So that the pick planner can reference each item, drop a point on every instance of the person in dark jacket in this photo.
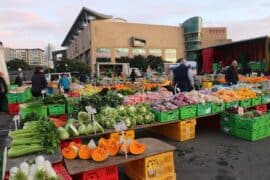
(183, 77)
(133, 76)
(39, 82)
(19, 81)
(231, 75)
(3, 89)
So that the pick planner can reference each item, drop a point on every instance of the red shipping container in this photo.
(13, 109)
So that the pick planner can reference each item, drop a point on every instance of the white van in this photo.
(56, 76)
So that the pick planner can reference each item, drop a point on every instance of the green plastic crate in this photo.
(28, 94)
(227, 129)
(265, 99)
(256, 101)
(188, 112)
(245, 103)
(167, 115)
(12, 98)
(251, 123)
(21, 98)
(40, 110)
(228, 117)
(217, 108)
(204, 109)
(69, 109)
(231, 104)
(12, 87)
(251, 135)
(56, 109)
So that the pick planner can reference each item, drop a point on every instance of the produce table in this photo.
(154, 147)
(54, 158)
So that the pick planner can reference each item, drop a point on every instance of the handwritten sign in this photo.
(121, 126)
(90, 110)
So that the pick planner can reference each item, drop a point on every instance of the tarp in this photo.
(207, 56)
(3, 65)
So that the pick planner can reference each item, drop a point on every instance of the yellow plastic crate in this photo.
(130, 134)
(179, 131)
(160, 166)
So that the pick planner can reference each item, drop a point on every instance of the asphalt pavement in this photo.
(212, 155)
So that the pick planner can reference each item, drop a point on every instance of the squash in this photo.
(136, 147)
(100, 154)
(85, 152)
(70, 152)
(112, 147)
(123, 149)
(102, 142)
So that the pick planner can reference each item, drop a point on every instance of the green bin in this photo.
(188, 112)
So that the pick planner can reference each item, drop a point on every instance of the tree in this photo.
(139, 62)
(73, 65)
(155, 62)
(15, 64)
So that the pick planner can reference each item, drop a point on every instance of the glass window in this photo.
(138, 51)
(103, 53)
(170, 55)
(121, 52)
(155, 52)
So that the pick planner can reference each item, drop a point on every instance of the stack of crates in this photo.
(159, 166)
(253, 128)
(179, 131)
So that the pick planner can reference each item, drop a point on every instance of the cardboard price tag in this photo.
(241, 111)
(121, 126)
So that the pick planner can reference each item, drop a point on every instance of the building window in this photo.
(138, 52)
(155, 52)
(103, 55)
(170, 55)
(121, 52)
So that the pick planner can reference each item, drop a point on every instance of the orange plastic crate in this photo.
(179, 131)
(130, 134)
(151, 168)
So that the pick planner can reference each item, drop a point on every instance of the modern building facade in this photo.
(96, 37)
(34, 57)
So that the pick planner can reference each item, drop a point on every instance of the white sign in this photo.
(90, 110)
(121, 126)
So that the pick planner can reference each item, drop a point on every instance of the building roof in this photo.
(236, 42)
(85, 12)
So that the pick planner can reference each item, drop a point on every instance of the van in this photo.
(56, 76)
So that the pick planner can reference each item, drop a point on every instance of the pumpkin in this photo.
(136, 147)
(70, 152)
(124, 148)
(85, 152)
(102, 142)
(100, 154)
(112, 147)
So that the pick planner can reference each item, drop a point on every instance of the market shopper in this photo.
(64, 83)
(3, 89)
(133, 76)
(39, 82)
(231, 74)
(183, 77)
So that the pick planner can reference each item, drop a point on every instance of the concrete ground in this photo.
(210, 156)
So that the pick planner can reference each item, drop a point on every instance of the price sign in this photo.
(121, 126)
(16, 120)
(90, 110)
(241, 111)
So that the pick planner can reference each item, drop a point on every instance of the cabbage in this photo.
(73, 130)
(63, 134)
(127, 121)
(82, 130)
(89, 129)
(98, 127)
(84, 117)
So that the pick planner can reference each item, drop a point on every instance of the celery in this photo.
(34, 148)
(23, 141)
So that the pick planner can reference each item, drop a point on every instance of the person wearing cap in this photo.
(183, 77)
(3, 89)
(231, 74)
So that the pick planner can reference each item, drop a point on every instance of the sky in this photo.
(35, 23)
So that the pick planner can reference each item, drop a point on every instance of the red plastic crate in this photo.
(13, 109)
(108, 173)
(61, 171)
(262, 108)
